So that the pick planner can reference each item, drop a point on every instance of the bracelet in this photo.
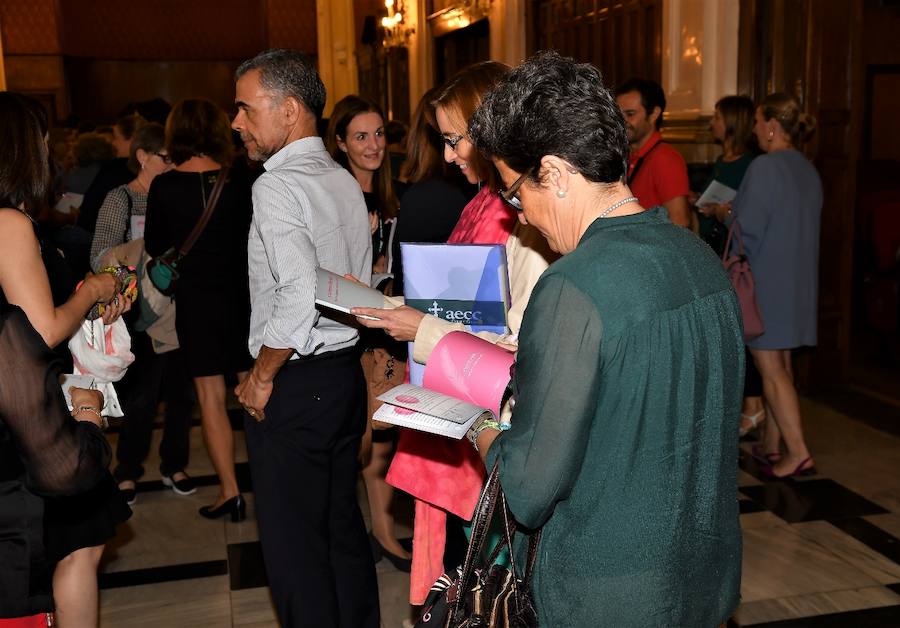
(103, 422)
(482, 424)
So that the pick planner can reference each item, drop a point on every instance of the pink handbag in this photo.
(738, 269)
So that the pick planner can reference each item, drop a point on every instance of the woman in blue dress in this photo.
(778, 209)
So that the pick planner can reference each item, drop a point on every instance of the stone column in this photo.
(2, 66)
(421, 52)
(507, 21)
(337, 49)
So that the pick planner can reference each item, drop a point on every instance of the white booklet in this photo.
(716, 194)
(425, 410)
(341, 294)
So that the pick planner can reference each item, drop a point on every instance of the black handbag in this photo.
(483, 594)
(163, 269)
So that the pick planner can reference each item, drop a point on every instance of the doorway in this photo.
(875, 334)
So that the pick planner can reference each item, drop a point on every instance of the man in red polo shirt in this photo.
(657, 173)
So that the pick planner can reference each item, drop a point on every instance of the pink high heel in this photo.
(766, 458)
(769, 471)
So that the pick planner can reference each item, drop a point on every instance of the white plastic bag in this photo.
(102, 351)
(111, 406)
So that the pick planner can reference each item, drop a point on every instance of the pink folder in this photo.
(469, 368)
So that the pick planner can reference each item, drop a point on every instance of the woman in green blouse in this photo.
(731, 126)
(623, 445)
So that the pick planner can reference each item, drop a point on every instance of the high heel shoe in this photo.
(379, 552)
(236, 507)
(750, 422)
(799, 471)
(763, 457)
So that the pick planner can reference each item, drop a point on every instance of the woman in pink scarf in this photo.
(445, 475)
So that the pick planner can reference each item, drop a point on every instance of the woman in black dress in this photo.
(43, 451)
(356, 139)
(212, 296)
(76, 527)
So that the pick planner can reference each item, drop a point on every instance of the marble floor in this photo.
(818, 552)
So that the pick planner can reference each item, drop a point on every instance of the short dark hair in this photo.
(24, 164)
(151, 138)
(288, 73)
(128, 124)
(551, 105)
(652, 95)
(196, 126)
(92, 148)
(395, 131)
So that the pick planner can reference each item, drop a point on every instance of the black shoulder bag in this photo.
(482, 595)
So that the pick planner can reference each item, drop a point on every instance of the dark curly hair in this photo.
(551, 105)
(196, 126)
(652, 96)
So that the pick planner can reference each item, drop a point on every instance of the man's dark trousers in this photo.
(304, 464)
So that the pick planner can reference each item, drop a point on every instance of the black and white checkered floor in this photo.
(819, 552)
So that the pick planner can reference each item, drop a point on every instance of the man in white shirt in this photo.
(305, 398)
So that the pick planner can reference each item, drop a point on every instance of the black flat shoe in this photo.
(130, 495)
(184, 486)
(379, 552)
(236, 507)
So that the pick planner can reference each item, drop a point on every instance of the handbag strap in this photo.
(509, 528)
(733, 230)
(207, 213)
(481, 522)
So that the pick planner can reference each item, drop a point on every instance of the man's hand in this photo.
(255, 390)
(400, 323)
(253, 393)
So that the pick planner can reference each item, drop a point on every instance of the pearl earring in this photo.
(561, 193)
(771, 135)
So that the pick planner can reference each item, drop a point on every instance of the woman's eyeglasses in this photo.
(452, 140)
(166, 159)
(510, 195)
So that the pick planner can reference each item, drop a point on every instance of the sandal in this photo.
(801, 470)
(769, 458)
(750, 422)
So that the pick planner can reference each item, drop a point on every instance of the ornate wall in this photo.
(32, 51)
(94, 56)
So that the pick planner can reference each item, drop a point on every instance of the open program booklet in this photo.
(425, 410)
(466, 377)
(341, 294)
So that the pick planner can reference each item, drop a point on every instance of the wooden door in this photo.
(621, 37)
(811, 50)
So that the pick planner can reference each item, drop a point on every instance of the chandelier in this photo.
(396, 31)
